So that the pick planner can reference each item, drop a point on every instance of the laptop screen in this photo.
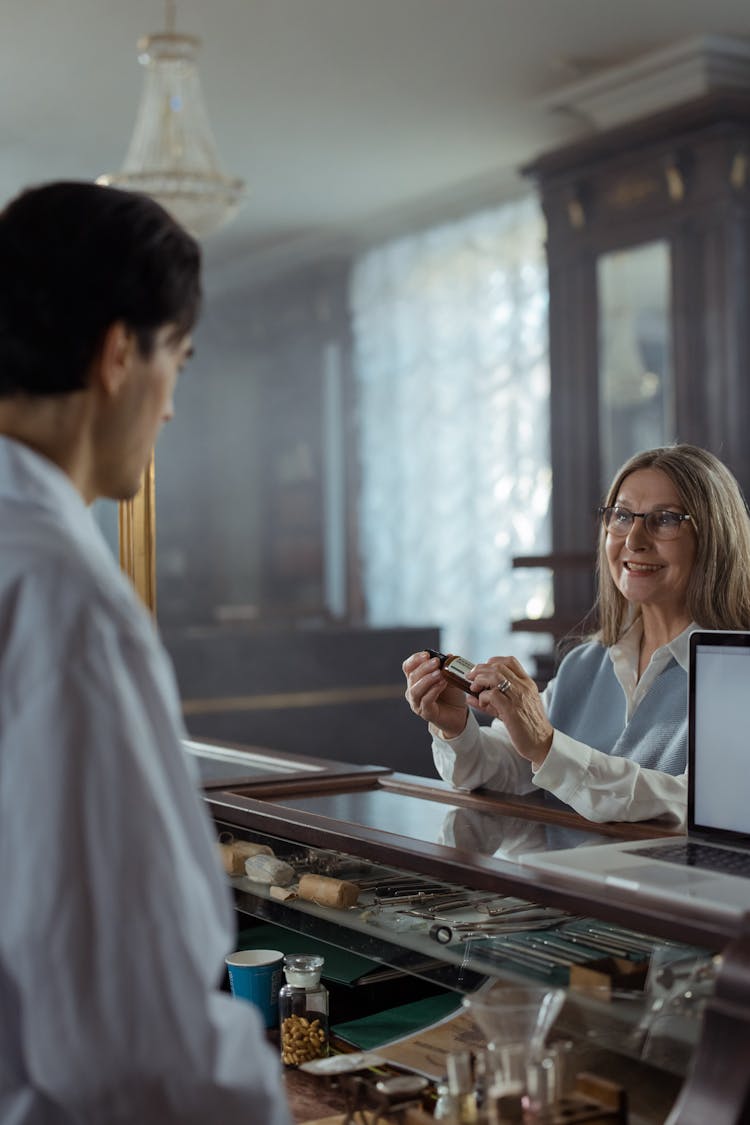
(719, 734)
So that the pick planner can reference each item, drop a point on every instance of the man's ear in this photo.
(114, 358)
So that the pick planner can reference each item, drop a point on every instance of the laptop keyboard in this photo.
(690, 854)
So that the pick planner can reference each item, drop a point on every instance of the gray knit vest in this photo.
(589, 705)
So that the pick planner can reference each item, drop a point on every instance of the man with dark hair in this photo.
(114, 917)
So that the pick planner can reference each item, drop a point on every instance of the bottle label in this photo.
(458, 666)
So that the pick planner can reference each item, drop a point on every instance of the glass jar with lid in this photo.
(303, 1010)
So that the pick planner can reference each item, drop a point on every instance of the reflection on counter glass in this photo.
(489, 833)
(507, 837)
(407, 816)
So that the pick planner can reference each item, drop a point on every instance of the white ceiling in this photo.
(350, 120)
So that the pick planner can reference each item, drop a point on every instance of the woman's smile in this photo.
(641, 568)
(649, 571)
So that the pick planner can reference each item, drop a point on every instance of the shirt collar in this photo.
(679, 646)
(29, 478)
(628, 645)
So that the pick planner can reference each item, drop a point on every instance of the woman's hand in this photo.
(431, 696)
(505, 691)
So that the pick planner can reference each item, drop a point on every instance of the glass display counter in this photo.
(657, 997)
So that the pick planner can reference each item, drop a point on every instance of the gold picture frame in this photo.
(137, 527)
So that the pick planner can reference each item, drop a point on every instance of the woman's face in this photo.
(648, 571)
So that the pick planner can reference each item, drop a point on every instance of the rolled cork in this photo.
(234, 854)
(326, 891)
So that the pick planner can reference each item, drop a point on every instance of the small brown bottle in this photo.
(454, 668)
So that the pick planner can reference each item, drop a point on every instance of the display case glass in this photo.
(443, 900)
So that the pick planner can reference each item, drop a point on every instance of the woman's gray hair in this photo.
(718, 593)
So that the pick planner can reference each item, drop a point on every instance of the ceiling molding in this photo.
(657, 81)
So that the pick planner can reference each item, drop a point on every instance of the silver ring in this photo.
(504, 686)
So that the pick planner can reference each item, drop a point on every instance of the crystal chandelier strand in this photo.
(172, 154)
(171, 130)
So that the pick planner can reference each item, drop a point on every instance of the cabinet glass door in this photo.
(636, 392)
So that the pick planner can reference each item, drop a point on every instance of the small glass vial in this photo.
(446, 1106)
(461, 1087)
(303, 1010)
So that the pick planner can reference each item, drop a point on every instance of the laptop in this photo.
(710, 866)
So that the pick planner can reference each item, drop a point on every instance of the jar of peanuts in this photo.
(303, 1010)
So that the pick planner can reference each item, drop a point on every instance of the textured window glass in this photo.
(450, 331)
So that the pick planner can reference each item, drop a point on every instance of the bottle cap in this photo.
(302, 970)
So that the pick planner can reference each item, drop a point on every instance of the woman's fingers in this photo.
(500, 687)
(431, 696)
(497, 671)
(424, 682)
(508, 692)
(416, 661)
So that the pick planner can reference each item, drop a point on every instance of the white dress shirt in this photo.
(115, 917)
(599, 786)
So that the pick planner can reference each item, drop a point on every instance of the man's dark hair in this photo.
(74, 259)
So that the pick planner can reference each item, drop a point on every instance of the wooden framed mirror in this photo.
(137, 538)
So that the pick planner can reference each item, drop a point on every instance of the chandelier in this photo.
(172, 154)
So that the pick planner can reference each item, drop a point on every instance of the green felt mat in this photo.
(374, 1031)
(340, 965)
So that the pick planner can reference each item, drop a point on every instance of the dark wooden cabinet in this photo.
(679, 180)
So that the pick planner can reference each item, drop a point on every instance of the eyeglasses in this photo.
(660, 524)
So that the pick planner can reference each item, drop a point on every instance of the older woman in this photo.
(609, 734)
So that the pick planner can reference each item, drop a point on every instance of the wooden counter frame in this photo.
(261, 808)
(283, 771)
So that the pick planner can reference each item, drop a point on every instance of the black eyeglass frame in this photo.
(680, 518)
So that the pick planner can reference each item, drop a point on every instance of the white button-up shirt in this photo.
(115, 918)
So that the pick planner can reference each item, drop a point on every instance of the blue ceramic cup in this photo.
(255, 975)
